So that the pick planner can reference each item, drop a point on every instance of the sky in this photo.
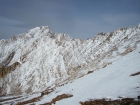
(78, 18)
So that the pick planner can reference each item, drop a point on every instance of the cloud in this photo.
(89, 27)
(9, 22)
(122, 19)
(10, 27)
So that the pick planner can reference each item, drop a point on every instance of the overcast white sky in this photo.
(78, 18)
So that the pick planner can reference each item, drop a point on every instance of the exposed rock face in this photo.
(5, 70)
(39, 58)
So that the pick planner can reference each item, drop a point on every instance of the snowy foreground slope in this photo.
(43, 65)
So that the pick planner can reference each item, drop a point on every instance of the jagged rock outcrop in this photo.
(45, 59)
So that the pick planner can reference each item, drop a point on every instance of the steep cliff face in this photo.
(40, 59)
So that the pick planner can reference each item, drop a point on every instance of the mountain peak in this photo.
(40, 59)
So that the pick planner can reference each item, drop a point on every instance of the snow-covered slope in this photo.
(113, 82)
(40, 59)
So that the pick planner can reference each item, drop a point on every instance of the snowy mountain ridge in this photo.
(40, 59)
